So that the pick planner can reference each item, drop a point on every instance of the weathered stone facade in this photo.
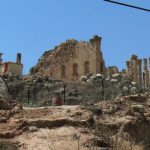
(138, 73)
(72, 59)
(11, 67)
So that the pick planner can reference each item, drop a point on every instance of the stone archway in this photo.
(86, 67)
(75, 71)
(63, 71)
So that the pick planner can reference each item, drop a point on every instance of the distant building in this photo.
(11, 67)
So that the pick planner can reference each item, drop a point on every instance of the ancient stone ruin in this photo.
(71, 60)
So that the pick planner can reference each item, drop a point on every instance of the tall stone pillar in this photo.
(149, 62)
(146, 73)
(129, 69)
(139, 72)
(134, 67)
(100, 64)
(145, 64)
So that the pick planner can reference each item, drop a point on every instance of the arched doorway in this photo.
(63, 71)
(86, 67)
(75, 71)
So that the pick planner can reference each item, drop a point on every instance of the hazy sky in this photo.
(33, 26)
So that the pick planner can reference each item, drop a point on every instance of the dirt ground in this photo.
(53, 139)
(49, 128)
(75, 127)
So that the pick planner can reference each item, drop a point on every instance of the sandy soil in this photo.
(54, 136)
(54, 139)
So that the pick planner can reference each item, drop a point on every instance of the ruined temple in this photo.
(71, 60)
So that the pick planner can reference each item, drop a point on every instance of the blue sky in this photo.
(33, 26)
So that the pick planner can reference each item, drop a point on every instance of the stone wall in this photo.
(11, 67)
(72, 59)
(15, 68)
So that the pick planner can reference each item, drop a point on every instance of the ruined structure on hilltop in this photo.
(72, 59)
(11, 67)
(137, 73)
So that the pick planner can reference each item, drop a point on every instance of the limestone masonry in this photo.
(71, 60)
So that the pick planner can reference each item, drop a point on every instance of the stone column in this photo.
(145, 64)
(139, 72)
(128, 68)
(134, 67)
(96, 43)
(149, 62)
(146, 73)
